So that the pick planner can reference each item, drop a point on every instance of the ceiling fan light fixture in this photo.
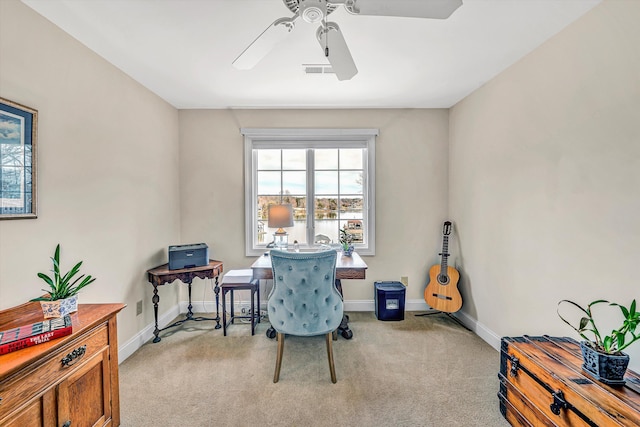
(312, 11)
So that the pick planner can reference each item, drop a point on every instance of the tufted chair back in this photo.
(304, 300)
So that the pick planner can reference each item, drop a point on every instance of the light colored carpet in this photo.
(423, 371)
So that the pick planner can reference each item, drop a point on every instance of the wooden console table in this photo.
(68, 381)
(352, 267)
(161, 275)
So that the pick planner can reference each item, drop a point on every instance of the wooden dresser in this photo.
(542, 384)
(69, 381)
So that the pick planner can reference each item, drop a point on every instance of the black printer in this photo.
(188, 256)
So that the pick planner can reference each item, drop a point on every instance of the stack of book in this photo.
(35, 333)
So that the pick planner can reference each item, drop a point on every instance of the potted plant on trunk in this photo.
(62, 297)
(602, 354)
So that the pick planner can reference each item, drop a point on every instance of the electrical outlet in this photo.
(139, 308)
(405, 280)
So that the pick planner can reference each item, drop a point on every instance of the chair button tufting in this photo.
(290, 268)
(326, 277)
(315, 267)
(279, 277)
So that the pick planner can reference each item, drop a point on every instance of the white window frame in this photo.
(288, 138)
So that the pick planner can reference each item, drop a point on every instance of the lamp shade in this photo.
(280, 216)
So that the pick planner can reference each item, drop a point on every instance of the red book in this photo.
(33, 334)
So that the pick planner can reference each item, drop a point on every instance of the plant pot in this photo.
(607, 368)
(347, 252)
(60, 307)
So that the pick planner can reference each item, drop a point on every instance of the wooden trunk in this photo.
(542, 383)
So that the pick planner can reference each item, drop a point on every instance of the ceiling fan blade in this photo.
(336, 50)
(264, 43)
(435, 9)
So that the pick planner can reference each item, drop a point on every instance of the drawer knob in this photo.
(71, 358)
(67, 424)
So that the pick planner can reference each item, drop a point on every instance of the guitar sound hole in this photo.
(443, 280)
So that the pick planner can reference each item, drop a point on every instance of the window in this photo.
(327, 175)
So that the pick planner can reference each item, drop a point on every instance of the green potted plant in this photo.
(345, 241)
(62, 297)
(602, 354)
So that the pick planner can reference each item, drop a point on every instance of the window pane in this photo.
(351, 182)
(326, 208)
(326, 232)
(351, 207)
(326, 159)
(299, 230)
(294, 160)
(268, 183)
(268, 159)
(299, 204)
(295, 182)
(326, 182)
(355, 229)
(351, 158)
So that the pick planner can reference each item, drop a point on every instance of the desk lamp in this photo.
(280, 216)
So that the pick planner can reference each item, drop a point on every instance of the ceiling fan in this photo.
(329, 35)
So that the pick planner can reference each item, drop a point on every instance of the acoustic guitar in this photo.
(442, 291)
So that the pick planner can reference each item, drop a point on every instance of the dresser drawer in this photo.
(33, 381)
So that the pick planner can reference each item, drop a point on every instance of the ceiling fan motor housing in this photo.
(312, 10)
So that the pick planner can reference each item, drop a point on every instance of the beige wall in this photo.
(411, 185)
(107, 165)
(538, 170)
(545, 178)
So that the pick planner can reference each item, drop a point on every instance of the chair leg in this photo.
(253, 312)
(224, 313)
(276, 376)
(258, 292)
(332, 367)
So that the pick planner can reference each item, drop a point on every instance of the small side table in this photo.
(161, 275)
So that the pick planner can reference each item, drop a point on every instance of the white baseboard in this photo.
(480, 330)
(130, 347)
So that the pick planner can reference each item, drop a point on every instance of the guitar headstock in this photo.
(446, 229)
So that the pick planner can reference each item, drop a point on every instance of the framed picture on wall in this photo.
(18, 141)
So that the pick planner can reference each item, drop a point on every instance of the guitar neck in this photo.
(444, 254)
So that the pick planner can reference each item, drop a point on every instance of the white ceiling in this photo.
(182, 50)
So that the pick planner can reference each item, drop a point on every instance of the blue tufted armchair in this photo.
(304, 300)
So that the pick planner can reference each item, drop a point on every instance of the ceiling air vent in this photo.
(317, 69)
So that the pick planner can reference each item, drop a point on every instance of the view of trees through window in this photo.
(336, 186)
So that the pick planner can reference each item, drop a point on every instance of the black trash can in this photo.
(389, 300)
